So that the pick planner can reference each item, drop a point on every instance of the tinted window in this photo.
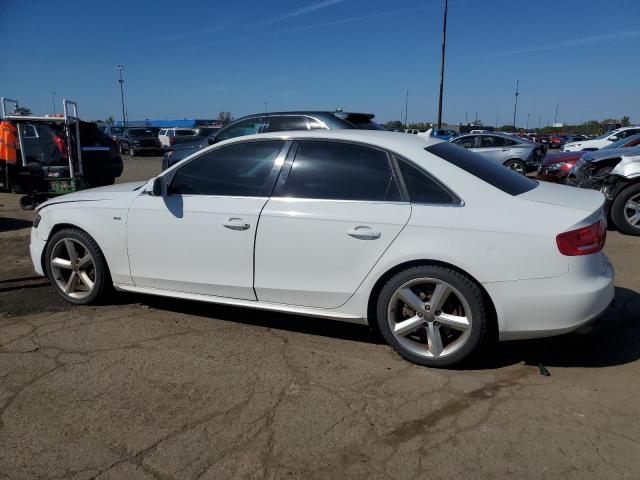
(236, 170)
(315, 124)
(363, 122)
(489, 141)
(285, 123)
(422, 188)
(183, 133)
(30, 131)
(500, 177)
(466, 142)
(241, 128)
(341, 171)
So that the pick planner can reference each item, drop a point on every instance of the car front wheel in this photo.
(625, 211)
(76, 267)
(517, 166)
(432, 315)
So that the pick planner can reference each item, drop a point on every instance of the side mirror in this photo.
(158, 189)
(212, 139)
(613, 138)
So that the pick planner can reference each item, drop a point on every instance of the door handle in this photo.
(364, 233)
(236, 224)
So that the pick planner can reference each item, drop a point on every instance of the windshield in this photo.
(364, 123)
(140, 132)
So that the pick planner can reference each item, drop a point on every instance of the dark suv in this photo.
(277, 122)
(140, 139)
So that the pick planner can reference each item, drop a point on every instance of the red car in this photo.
(555, 167)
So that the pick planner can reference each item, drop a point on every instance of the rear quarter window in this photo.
(497, 176)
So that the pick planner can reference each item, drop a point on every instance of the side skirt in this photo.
(274, 307)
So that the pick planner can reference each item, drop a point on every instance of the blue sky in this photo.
(194, 59)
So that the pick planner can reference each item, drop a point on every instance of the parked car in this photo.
(139, 140)
(575, 138)
(172, 136)
(442, 134)
(182, 150)
(555, 141)
(616, 173)
(279, 122)
(602, 141)
(115, 132)
(513, 152)
(346, 225)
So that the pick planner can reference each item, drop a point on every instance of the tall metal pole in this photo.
(515, 105)
(120, 68)
(496, 119)
(265, 107)
(406, 109)
(444, 45)
(528, 115)
(53, 100)
(555, 118)
(539, 122)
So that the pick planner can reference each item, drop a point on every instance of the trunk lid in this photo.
(564, 196)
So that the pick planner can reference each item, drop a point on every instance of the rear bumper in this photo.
(553, 306)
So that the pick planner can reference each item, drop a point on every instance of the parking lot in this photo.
(146, 387)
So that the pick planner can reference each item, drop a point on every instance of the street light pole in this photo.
(406, 109)
(528, 115)
(444, 45)
(120, 68)
(515, 105)
(555, 118)
(53, 100)
(265, 107)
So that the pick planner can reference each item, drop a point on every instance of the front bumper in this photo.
(36, 250)
(552, 306)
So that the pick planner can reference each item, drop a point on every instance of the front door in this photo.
(336, 209)
(199, 238)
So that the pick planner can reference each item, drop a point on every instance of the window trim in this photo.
(293, 152)
(270, 182)
(457, 200)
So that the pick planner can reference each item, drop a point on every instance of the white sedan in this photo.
(430, 244)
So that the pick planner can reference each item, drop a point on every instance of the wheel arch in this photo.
(379, 284)
(55, 229)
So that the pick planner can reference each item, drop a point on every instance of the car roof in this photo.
(339, 114)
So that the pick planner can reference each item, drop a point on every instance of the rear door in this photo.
(493, 147)
(336, 209)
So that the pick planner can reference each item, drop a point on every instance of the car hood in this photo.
(600, 155)
(564, 196)
(109, 192)
(562, 157)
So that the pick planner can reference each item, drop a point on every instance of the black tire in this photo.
(618, 210)
(516, 165)
(102, 278)
(27, 202)
(470, 291)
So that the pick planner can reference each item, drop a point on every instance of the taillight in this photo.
(583, 241)
(62, 147)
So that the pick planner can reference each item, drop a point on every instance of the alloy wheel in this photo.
(632, 211)
(430, 317)
(73, 268)
(516, 167)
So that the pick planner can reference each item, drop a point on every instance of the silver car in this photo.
(516, 153)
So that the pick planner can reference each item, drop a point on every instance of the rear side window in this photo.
(237, 170)
(466, 142)
(341, 171)
(422, 188)
(183, 133)
(285, 123)
(496, 175)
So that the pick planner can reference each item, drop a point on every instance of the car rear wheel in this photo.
(625, 211)
(76, 267)
(517, 166)
(431, 315)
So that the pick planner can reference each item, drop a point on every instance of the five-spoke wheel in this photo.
(75, 266)
(432, 315)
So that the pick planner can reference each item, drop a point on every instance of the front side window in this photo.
(285, 123)
(341, 171)
(241, 128)
(240, 170)
(422, 188)
(466, 142)
(30, 131)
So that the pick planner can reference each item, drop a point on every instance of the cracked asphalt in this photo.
(150, 388)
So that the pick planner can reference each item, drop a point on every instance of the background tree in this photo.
(225, 118)
(23, 111)
(625, 121)
(395, 124)
(110, 120)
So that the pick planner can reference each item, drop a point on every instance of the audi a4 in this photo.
(436, 248)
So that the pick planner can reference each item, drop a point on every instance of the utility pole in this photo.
(265, 107)
(406, 109)
(466, 121)
(120, 68)
(515, 105)
(53, 100)
(555, 118)
(496, 119)
(476, 122)
(539, 122)
(528, 115)
(444, 45)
